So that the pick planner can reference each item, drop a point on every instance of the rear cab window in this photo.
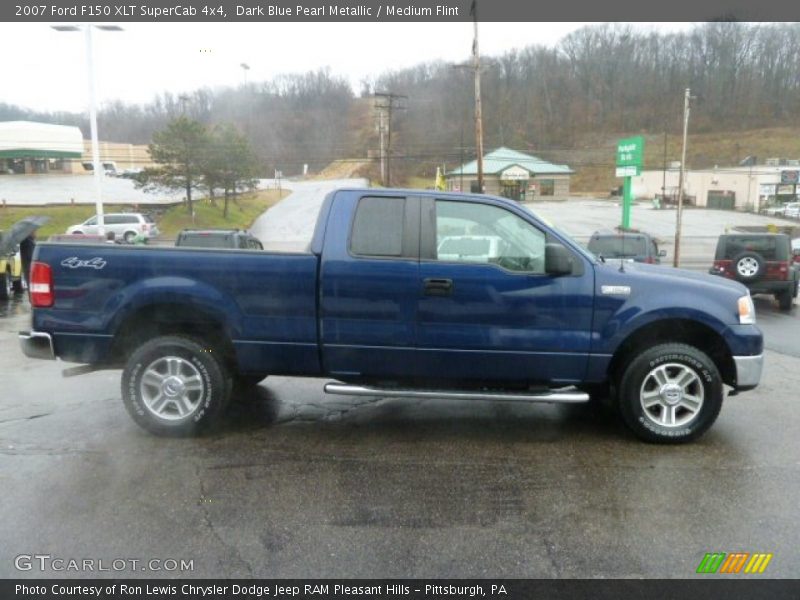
(379, 227)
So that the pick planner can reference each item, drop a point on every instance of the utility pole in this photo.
(664, 179)
(476, 64)
(686, 98)
(388, 104)
(383, 150)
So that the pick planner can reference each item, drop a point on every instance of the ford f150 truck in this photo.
(371, 304)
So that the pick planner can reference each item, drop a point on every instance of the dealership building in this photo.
(28, 148)
(515, 175)
(744, 187)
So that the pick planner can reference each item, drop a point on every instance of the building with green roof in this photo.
(515, 175)
(29, 147)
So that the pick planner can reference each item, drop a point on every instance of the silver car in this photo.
(126, 226)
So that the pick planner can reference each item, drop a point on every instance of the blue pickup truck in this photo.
(400, 293)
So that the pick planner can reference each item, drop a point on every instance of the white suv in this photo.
(125, 226)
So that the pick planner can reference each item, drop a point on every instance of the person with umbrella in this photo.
(26, 248)
(22, 234)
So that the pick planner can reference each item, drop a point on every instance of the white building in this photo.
(28, 147)
(741, 188)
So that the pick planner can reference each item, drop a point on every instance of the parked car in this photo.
(761, 261)
(218, 238)
(633, 247)
(371, 304)
(126, 226)
(10, 275)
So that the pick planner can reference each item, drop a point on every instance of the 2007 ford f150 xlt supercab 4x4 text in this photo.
(527, 315)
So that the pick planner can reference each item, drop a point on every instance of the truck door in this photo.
(487, 310)
(368, 286)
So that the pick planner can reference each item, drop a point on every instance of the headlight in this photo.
(747, 312)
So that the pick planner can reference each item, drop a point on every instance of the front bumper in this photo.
(36, 344)
(748, 371)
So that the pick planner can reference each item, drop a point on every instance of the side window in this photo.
(112, 220)
(92, 221)
(480, 233)
(131, 219)
(378, 227)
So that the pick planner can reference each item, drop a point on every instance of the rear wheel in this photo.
(671, 393)
(174, 385)
(128, 237)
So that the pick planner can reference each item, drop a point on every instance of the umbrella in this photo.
(18, 232)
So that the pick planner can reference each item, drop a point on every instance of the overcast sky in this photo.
(45, 70)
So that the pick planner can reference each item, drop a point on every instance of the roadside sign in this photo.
(630, 152)
(632, 171)
(630, 158)
(790, 177)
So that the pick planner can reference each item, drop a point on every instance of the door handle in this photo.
(438, 287)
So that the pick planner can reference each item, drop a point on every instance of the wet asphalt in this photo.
(297, 484)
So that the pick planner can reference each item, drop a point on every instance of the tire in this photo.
(648, 413)
(128, 237)
(5, 285)
(786, 298)
(748, 266)
(175, 386)
(19, 284)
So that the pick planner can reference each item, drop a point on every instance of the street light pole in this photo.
(97, 169)
(681, 180)
(96, 166)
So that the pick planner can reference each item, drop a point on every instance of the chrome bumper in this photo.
(748, 371)
(36, 344)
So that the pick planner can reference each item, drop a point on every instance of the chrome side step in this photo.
(567, 396)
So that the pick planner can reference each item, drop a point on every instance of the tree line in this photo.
(600, 79)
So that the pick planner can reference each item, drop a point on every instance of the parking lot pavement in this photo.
(296, 484)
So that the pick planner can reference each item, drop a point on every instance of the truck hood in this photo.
(653, 275)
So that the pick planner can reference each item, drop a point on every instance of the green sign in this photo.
(630, 152)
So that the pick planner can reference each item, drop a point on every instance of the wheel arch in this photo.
(170, 318)
(675, 330)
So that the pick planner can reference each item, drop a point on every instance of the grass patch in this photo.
(170, 219)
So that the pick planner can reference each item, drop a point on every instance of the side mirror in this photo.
(662, 253)
(557, 260)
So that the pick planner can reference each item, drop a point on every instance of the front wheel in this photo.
(671, 393)
(175, 386)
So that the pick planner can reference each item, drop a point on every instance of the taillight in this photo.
(649, 260)
(145, 227)
(41, 285)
